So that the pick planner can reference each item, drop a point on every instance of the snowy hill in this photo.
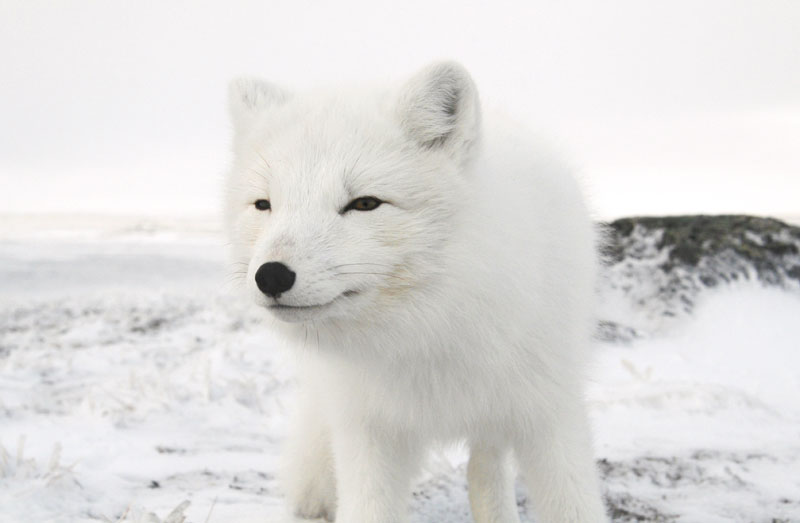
(136, 387)
(658, 267)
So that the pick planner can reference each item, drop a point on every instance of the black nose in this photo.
(273, 278)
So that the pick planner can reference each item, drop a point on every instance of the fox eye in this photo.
(364, 203)
(262, 205)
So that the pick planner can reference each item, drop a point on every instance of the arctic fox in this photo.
(436, 271)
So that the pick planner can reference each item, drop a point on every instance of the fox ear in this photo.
(247, 97)
(439, 108)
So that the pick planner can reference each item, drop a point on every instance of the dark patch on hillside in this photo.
(768, 244)
(662, 263)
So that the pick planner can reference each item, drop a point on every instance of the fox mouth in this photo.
(283, 307)
(296, 313)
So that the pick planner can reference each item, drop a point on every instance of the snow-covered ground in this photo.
(133, 384)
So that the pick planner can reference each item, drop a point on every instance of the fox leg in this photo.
(308, 471)
(491, 484)
(556, 459)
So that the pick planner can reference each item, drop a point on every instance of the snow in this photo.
(133, 381)
(704, 423)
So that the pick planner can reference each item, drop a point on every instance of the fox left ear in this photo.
(439, 108)
(248, 97)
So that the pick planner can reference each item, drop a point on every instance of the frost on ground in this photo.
(135, 388)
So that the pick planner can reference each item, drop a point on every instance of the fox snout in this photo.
(274, 278)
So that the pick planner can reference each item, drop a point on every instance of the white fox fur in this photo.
(459, 309)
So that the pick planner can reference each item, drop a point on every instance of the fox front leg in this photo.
(308, 470)
(374, 468)
(491, 484)
(556, 459)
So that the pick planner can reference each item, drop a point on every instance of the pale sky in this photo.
(667, 107)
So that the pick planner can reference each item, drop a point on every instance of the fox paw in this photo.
(315, 503)
(314, 510)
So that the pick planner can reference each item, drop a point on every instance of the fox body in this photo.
(444, 265)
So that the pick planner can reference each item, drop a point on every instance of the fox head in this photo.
(342, 204)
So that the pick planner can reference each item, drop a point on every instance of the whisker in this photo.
(257, 187)
(266, 163)
(259, 173)
(316, 331)
(364, 273)
(362, 263)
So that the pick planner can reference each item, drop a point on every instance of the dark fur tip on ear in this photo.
(440, 105)
(248, 96)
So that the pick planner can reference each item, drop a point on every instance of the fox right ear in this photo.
(439, 108)
(248, 97)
